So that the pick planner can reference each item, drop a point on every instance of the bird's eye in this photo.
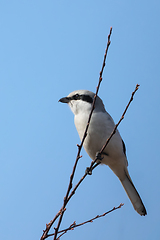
(76, 96)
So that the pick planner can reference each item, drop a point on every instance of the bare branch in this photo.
(74, 225)
(66, 199)
(122, 117)
(94, 163)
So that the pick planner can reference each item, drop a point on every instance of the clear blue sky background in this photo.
(48, 49)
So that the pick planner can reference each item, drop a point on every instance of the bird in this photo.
(100, 128)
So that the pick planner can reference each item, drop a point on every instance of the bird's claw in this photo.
(88, 171)
(99, 156)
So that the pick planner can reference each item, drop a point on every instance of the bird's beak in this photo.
(64, 100)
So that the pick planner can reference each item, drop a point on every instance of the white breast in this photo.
(100, 128)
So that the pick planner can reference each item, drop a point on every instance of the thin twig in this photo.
(93, 104)
(115, 128)
(74, 225)
(66, 198)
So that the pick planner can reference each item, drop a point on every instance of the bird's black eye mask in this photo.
(82, 97)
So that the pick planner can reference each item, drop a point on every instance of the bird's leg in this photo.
(99, 156)
(96, 163)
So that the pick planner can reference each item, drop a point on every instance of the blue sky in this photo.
(48, 49)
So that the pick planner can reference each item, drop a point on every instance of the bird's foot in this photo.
(88, 171)
(99, 156)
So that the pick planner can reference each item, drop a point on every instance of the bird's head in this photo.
(80, 101)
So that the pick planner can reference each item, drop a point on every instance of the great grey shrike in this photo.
(99, 130)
